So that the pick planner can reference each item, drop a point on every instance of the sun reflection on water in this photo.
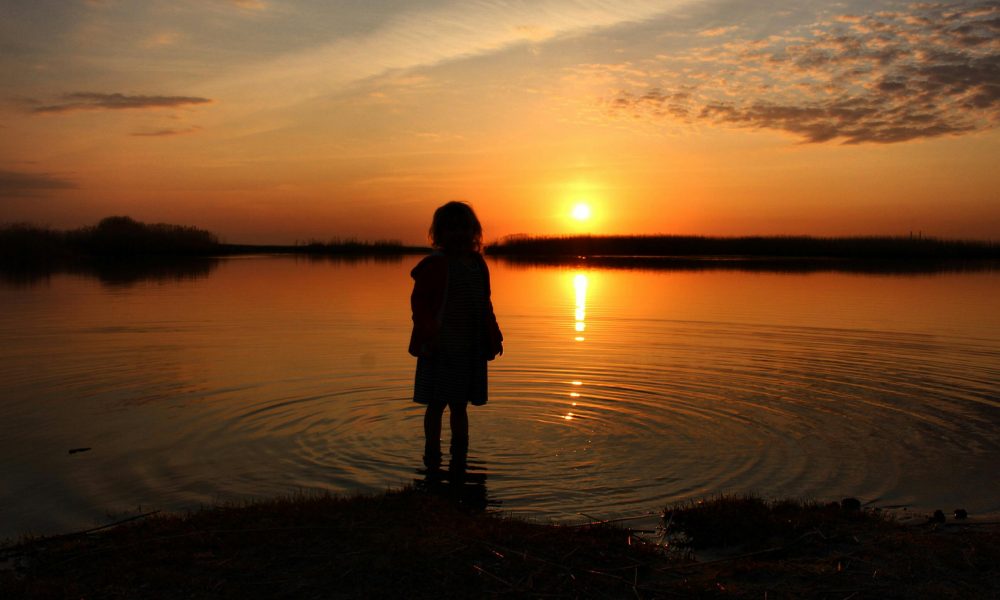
(579, 326)
(580, 285)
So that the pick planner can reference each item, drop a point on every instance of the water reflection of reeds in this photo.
(113, 272)
(351, 259)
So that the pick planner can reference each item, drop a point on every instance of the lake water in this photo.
(620, 390)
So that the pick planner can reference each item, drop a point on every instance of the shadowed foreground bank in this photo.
(416, 544)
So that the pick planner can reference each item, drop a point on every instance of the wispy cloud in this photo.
(424, 36)
(167, 132)
(249, 4)
(871, 78)
(718, 31)
(162, 39)
(97, 101)
(19, 184)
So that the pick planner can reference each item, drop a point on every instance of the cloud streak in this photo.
(97, 101)
(18, 184)
(428, 36)
(167, 132)
(249, 4)
(885, 77)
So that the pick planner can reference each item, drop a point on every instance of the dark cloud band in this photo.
(166, 132)
(16, 184)
(98, 101)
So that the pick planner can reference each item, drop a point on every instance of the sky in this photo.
(271, 121)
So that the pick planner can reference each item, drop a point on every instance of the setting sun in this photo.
(581, 211)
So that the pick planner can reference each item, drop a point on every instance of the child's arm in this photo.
(430, 279)
(494, 338)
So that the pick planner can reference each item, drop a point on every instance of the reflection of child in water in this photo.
(454, 329)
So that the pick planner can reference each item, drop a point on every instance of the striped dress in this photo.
(455, 373)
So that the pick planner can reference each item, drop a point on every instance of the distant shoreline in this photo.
(24, 246)
(122, 251)
(332, 249)
(666, 248)
(766, 264)
(781, 254)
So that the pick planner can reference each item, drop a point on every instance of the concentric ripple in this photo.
(777, 410)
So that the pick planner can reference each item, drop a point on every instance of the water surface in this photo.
(620, 390)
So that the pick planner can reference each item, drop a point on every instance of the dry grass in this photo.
(750, 548)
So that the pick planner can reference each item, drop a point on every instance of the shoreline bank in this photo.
(424, 543)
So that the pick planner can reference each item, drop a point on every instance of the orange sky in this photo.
(276, 122)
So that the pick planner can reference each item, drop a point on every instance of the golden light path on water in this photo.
(618, 391)
(580, 325)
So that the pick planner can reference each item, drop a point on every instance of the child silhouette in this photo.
(455, 330)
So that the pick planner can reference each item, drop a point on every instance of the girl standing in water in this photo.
(454, 328)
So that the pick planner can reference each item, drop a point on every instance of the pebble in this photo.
(850, 504)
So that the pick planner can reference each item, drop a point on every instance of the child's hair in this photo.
(455, 228)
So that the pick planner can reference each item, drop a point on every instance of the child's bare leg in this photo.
(459, 419)
(432, 434)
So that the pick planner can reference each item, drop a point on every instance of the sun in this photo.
(581, 211)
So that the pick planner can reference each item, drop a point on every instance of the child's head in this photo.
(455, 228)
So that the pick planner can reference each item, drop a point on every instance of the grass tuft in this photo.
(751, 522)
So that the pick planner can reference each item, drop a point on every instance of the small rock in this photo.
(961, 513)
(850, 504)
(77, 450)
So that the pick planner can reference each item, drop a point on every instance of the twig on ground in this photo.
(496, 577)
(22, 547)
(595, 521)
